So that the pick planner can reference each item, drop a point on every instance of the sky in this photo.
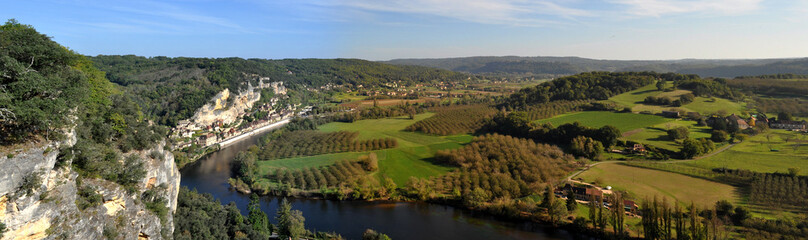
(391, 29)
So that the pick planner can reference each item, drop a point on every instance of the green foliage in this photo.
(131, 173)
(585, 146)
(39, 87)
(592, 85)
(290, 222)
(257, 218)
(30, 182)
(696, 147)
(88, 197)
(244, 168)
(171, 89)
(719, 136)
(200, 216)
(155, 202)
(371, 234)
(677, 133)
(370, 162)
(2, 229)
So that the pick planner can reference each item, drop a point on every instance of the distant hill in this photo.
(573, 65)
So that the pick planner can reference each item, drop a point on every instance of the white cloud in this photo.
(506, 12)
(658, 8)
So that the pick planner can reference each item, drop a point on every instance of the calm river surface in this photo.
(351, 218)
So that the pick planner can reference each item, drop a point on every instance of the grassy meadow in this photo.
(634, 100)
(623, 121)
(642, 183)
(763, 154)
(657, 135)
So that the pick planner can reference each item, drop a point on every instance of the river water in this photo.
(351, 218)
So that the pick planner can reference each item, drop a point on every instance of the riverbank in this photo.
(230, 141)
(399, 220)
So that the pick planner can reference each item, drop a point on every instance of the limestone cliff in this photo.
(226, 108)
(50, 211)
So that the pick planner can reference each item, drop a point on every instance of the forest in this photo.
(172, 89)
(592, 85)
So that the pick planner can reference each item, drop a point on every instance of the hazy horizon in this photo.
(386, 30)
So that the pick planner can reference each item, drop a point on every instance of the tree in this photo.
(784, 116)
(258, 219)
(370, 162)
(608, 135)
(678, 133)
(585, 146)
(290, 222)
(571, 203)
(660, 84)
(793, 171)
(549, 197)
(556, 210)
(719, 136)
(691, 148)
(476, 197)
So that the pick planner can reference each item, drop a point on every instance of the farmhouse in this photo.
(670, 114)
(584, 193)
(792, 125)
(738, 121)
(631, 206)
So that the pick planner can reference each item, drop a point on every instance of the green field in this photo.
(634, 100)
(657, 135)
(623, 121)
(412, 157)
(642, 183)
(756, 154)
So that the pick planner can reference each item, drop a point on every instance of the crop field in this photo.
(642, 183)
(657, 135)
(412, 157)
(762, 154)
(623, 121)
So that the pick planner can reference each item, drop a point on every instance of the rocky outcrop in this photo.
(226, 107)
(49, 209)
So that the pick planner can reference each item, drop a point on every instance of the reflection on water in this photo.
(349, 218)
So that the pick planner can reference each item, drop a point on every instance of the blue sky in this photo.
(388, 29)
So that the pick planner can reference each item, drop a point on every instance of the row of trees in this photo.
(779, 190)
(321, 177)
(770, 86)
(660, 220)
(591, 85)
(793, 106)
(310, 142)
(583, 140)
(711, 87)
(665, 101)
(456, 119)
(550, 109)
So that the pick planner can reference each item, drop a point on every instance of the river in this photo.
(351, 218)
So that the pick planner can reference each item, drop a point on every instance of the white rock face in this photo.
(222, 110)
(50, 212)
